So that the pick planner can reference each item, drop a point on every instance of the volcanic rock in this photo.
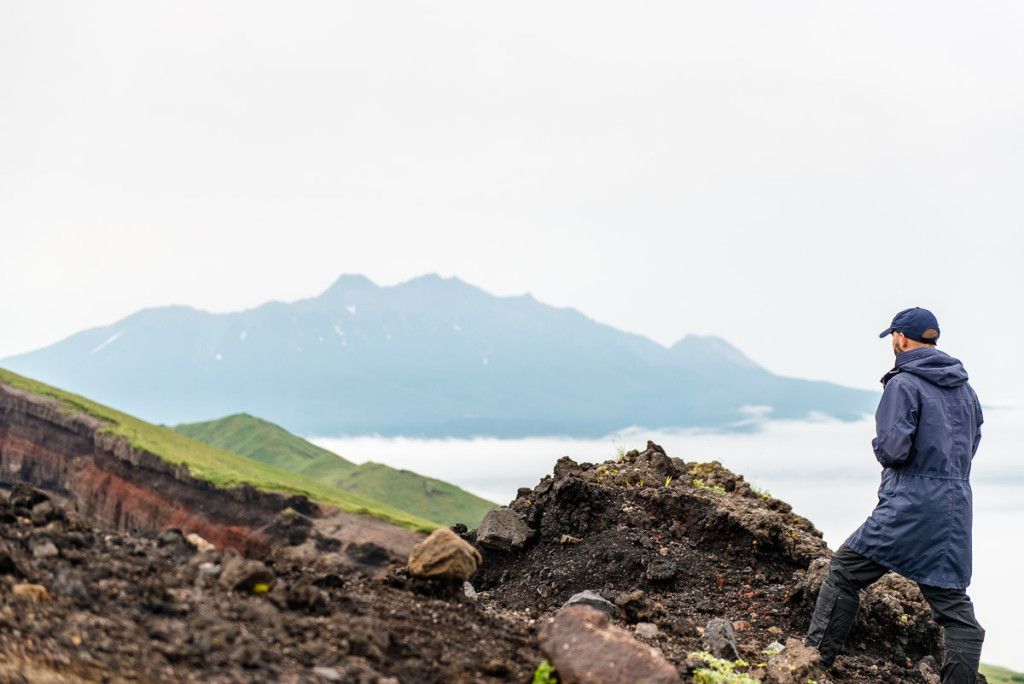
(503, 529)
(444, 556)
(639, 608)
(594, 600)
(585, 649)
(719, 639)
(796, 664)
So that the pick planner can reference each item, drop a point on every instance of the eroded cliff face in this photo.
(101, 476)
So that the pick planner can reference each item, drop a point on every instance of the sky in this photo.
(785, 175)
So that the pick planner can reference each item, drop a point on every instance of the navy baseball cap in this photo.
(914, 323)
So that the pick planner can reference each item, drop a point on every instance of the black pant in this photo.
(839, 599)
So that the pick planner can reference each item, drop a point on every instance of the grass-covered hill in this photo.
(1000, 674)
(263, 441)
(218, 466)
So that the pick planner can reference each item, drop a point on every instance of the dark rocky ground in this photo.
(671, 544)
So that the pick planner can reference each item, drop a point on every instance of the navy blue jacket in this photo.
(928, 427)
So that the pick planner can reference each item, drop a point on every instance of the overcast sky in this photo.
(784, 175)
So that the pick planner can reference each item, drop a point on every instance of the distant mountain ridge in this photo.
(429, 357)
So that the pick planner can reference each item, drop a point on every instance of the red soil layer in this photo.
(102, 476)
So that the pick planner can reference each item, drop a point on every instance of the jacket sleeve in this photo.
(895, 423)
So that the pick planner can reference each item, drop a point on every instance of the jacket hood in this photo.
(937, 367)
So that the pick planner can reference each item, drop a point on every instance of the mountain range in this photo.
(429, 357)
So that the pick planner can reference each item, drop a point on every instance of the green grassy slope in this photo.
(261, 440)
(1000, 674)
(218, 466)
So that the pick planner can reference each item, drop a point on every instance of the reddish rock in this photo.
(586, 649)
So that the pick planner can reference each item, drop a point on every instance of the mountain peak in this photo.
(349, 283)
(701, 349)
(433, 281)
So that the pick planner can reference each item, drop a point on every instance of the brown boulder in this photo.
(585, 649)
(444, 556)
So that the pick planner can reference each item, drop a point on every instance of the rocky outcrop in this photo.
(100, 475)
(698, 561)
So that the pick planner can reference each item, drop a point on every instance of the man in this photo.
(928, 427)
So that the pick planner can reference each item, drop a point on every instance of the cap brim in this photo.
(887, 331)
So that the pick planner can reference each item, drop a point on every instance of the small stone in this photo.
(646, 630)
(469, 591)
(661, 570)
(247, 654)
(328, 673)
(34, 592)
(44, 512)
(794, 665)
(773, 630)
(206, 574)
(569, 539)
(70, 583)
(497, 668)
(46, 549)
(741, 625)
(928, 669)
(201, 544)
(174, 542)
(594, 600)
(719, 639)
(444, 556)
(242, 574)
(639, 608)
(305, 595)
